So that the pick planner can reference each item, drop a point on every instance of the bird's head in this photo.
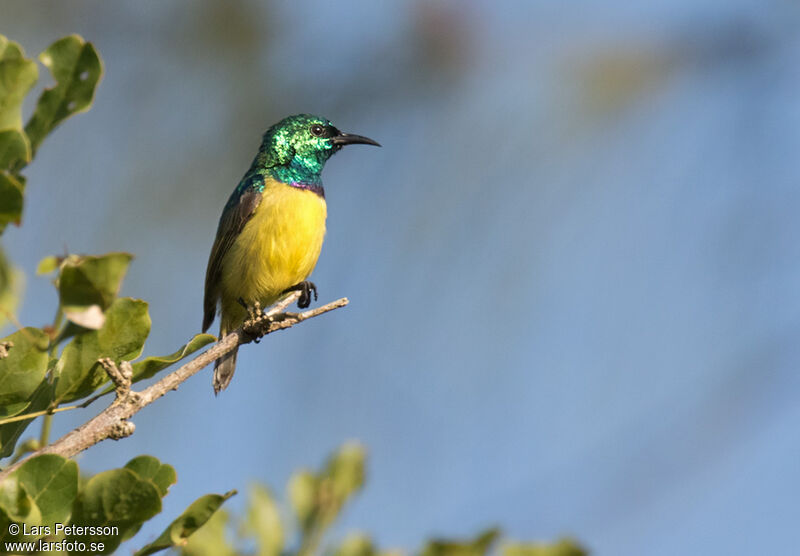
(297, 148)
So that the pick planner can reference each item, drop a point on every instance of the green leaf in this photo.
(52, 483)
(77, 69)
(346, 471)
(17, 504)
(210, 539)
(263, 521)
(148, 367)
(14, 409)
(87, 285)
(118, 497)
(11, 198)
(14, 148)
(48, 265)
(162, 475)
(24, 368)
(318, 499)
(564, 547)
(356, 544)
(195, 516)
(10, 432)
(147, 467)
(121, 338)
(302, 488)
(479, 546)
(17, 76)
(11, 281)
(28, 447)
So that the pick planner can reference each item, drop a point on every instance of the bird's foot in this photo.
(305, 288)
(254, 311)
(255, 321)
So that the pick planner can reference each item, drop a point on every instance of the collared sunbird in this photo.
(271, 231)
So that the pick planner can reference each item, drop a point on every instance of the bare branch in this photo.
(113, 422)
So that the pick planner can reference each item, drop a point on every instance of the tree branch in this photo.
(113, 422)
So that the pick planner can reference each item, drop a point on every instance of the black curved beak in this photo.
(347, 139)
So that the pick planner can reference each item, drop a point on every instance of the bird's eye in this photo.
(317, 130)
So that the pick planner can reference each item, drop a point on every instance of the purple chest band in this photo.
(318, 189)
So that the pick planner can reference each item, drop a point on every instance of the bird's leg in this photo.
(255, 317)
(305, 288)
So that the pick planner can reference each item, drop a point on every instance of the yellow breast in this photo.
(278, 247)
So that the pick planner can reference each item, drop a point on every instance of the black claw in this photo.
(305, 288)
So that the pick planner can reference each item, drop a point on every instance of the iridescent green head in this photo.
(296, 149)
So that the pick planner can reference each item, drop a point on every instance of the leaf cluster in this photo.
(315, 501)
(42, 369)
(76, 69)
(49, 367)
(46, 497)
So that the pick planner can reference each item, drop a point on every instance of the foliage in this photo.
(10, 286)
(316, 500)
(42, 369)
(77, 69)
(46, 496)
(35, 376)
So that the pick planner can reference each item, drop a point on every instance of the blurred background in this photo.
(572, 267)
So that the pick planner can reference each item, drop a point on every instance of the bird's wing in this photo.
(231, 223)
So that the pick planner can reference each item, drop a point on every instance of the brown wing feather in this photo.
(231, 224)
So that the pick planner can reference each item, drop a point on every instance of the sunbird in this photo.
(271, 230)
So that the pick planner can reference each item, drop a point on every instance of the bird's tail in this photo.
(225, 366)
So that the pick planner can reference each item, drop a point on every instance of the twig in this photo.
(113, 422)
(121, 376)
(26, 416)
(47, 424)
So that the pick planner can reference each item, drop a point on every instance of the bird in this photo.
(271, 230)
